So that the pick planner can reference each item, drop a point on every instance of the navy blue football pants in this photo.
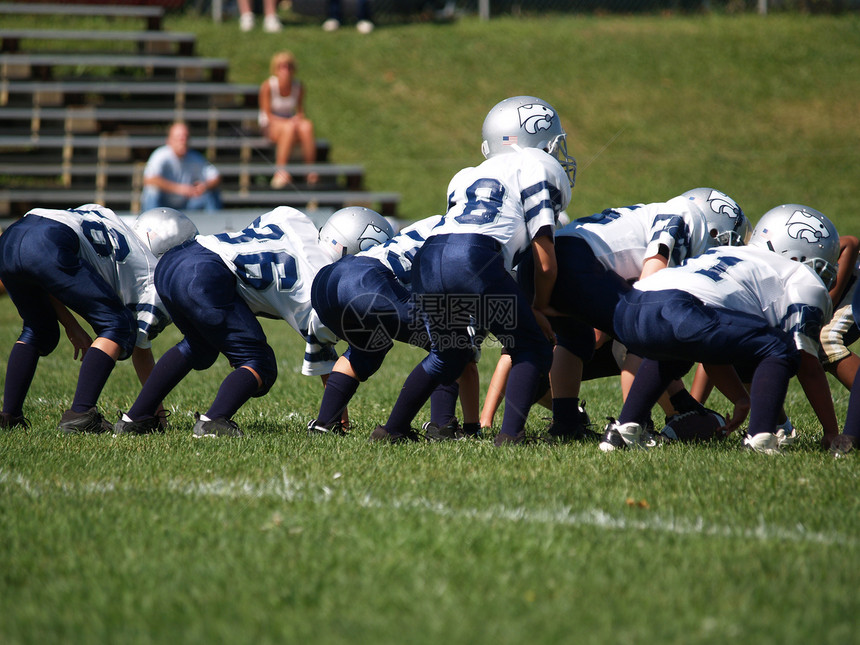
(585, 291)
(39, 258)
(677, 329)
(458, 279)
(361, 301)
(199, 292)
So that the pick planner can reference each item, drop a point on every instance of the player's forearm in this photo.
(546, 271)
(813, 380)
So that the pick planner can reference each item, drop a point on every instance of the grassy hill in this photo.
(764, 108)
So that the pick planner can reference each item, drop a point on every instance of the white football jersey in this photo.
(397, 253)
(622, 238)
(509, 197)
(121, 258)
(789, 295)
(275, 259)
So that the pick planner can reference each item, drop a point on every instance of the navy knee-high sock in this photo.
(19, 375)
(852, 420)
(767, 394)
(339, 389)
(443, 404)
(416, 390)
(239, 386)
(519, 396)
(170, 369)
(95, 370)
(650, 382)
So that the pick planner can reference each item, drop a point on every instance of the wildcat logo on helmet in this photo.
(371, 236)
(719, 204)
(803, 226)
(535, 117)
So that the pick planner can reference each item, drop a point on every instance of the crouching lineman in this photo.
(764, 303)
(365, 299)
(89, 261)
(598, 258)
(215, 287)
(497, 211)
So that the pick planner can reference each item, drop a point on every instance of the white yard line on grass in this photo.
(288, 490)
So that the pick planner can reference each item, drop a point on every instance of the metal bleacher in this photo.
(69, 137)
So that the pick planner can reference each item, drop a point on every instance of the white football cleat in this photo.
(786, 434)
(626, 435)
(364, 26)
(246, 21)
(766, 443)
(332, 24)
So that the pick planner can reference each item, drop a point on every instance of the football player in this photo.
(599, 257)
(850, 437)
(764, 304)
(836, 337)
(497, 211)
(89, 261)
(365, 300)
(216, 286)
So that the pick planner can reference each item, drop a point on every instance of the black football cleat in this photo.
(382, 434)
(451, 431)
(90, 422)
(333, 428)
(841, 445)
(9, 421)
(148, 425)
(503, 439)
(219, 427)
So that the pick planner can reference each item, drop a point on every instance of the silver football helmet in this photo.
(353, 229)
(803, 234)
(527, 122)
(163, 228)
(727, 223)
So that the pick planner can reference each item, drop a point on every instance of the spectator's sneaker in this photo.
(332, 24)
(766, 443)
(271, 25)
(334, 428)
(364, 26)
(91, 422)
(381, 433)
(841, 445)
(219, 427)
(10, 421)
(143, 426)
(786, 434)
(503, 439)
(246, 21)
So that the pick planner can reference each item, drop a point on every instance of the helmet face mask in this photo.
(353, 229)
(727, 224)
(526, 122)
(161, 229)
(802, 234)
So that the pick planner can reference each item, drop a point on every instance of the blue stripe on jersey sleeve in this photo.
(552, 201)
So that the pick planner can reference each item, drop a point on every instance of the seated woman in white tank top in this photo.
(282, 119)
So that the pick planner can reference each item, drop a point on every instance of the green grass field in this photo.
(284, 538)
